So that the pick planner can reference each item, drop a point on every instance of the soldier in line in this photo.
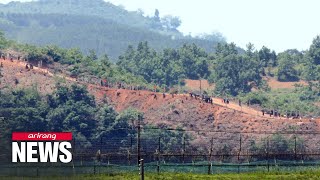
(118, 93)
(16, 81)
(154, 88)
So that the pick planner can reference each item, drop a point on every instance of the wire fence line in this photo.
(216, 152)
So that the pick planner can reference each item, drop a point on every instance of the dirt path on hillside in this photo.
(96, 89)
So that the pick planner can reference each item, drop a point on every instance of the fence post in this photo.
(184, 149)
(131, 150)
(141, 165)
(73, 155)
(295, 148)
(74, 147)
(94, 167)
(159, 148)
(210, 156)
(268, 166)
(100, 155)
(240, 141)
(138, 139)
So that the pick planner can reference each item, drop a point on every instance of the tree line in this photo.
(69, 109)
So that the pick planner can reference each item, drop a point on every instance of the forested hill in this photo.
(98, 8)
(92, 24)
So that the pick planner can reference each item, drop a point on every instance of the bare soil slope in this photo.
(223, 123)
(274, 84)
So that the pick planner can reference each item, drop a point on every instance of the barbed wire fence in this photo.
(213, 152)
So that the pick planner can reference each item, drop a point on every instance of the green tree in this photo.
(3, 41)
(170, 23)
(286, 70)
(72, 109)
(250, 50)
(267, 57)
(314, 50)
(236, 74)
(156, 23)
(225, 49)
(21, 110)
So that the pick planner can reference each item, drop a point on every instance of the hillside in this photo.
(97, 25)
(203, 120)
(97, 8)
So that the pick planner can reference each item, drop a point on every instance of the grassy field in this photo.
(178, 176)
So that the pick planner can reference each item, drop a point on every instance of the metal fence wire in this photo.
(216, 152)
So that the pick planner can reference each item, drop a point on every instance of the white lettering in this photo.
(17, 151)
(67, 157)
(43, 136)
(31, 152)
(46, 150)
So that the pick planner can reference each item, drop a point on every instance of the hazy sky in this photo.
(277, 24)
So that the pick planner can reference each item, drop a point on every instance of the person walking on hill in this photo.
(154, 88)
(16, 81)
(118, 93)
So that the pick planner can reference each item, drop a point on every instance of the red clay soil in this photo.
(274, 84)
(195, 84)
(37, 78)
(204, 120)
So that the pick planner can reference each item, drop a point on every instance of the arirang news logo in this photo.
(33, 147)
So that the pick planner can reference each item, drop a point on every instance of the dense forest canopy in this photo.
(100, 25)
